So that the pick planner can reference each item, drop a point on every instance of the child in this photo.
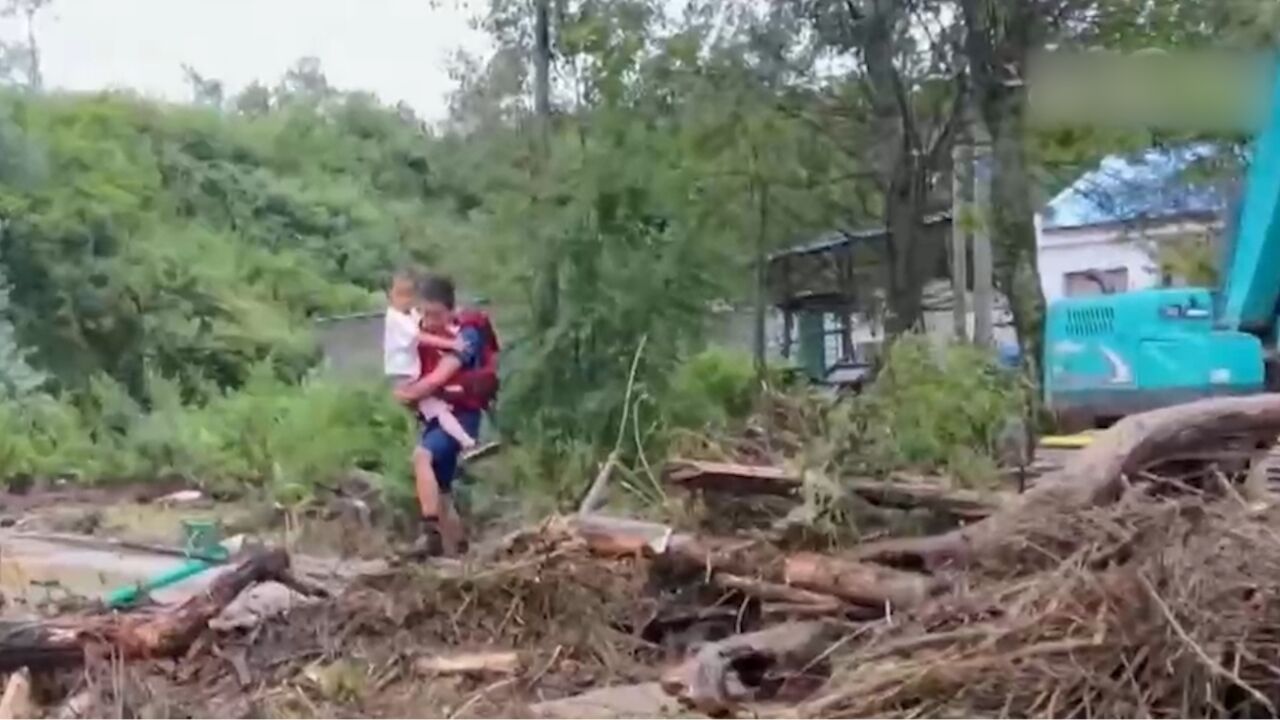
(401, 363)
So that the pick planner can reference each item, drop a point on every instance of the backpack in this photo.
(476, 388)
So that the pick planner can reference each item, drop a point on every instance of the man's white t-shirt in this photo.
(400, 344)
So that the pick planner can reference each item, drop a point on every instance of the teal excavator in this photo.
(1107, 356)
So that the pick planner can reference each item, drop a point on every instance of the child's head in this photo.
(401, 294)
(435, 301)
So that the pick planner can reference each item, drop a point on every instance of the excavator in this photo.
(1111, 355)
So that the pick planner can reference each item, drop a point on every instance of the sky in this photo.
(398, 49)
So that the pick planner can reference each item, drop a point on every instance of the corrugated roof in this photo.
(839, 238)
(1148, 186)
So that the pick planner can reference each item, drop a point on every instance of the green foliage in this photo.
(269, 434)
(713, 387)
(195, 244)
(935, 407)
(17, 377)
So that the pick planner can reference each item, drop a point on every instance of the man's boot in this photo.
(429, 542)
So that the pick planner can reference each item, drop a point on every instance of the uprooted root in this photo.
(1145, 608)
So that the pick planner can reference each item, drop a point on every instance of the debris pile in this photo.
(1142, 579)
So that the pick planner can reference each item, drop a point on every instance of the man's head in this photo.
(436, 301)
(402, 292)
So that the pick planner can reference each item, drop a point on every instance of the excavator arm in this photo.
(1251, 278)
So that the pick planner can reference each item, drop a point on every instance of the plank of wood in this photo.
(731, 478)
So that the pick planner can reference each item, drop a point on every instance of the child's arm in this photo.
(441, 342)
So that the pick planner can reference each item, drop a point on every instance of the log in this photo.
(165, 633)
(1094, 476)
(867, 585)
(898, 491)
(777, 592)
(756, 666)
(860, 583)
(784, 601)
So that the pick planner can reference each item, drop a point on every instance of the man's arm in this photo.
(440, 342)
(431, 382)
(449, 365)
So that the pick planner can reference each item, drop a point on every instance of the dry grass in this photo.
(1144, 609)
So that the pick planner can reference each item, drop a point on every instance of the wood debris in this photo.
(487, 663)
(898, 491)
(64, 642)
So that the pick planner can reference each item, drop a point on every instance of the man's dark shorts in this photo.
(444, 450)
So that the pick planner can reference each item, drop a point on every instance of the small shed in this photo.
(826, 290)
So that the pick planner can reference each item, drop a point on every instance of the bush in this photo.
(711, 388)
(935, 408)
(271, 434)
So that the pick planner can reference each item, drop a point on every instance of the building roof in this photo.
(1153, 185)
(835, 239)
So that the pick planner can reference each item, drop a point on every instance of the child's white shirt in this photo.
(400, 344)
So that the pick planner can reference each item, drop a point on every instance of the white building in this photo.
(1107, 232)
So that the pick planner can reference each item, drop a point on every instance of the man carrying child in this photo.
(450, 414)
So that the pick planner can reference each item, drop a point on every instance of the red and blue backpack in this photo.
(473, 388)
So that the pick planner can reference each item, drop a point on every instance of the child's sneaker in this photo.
(478, 451)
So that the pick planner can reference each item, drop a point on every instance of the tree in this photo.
(911, 100)
(17, 376)
(25, 57)
(999, 36)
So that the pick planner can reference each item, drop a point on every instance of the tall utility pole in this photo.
(983, 294)
(961, 216)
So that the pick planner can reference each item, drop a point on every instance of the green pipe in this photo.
(128, 595)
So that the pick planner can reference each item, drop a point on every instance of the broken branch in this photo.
(63, 643)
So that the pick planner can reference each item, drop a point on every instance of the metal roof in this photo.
(839, 238)
(1151, 185)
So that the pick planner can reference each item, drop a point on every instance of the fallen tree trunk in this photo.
(1096, 475)
(166, 633)
(897, 491)
(782, 661)
(856, 583)
(859, 583)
